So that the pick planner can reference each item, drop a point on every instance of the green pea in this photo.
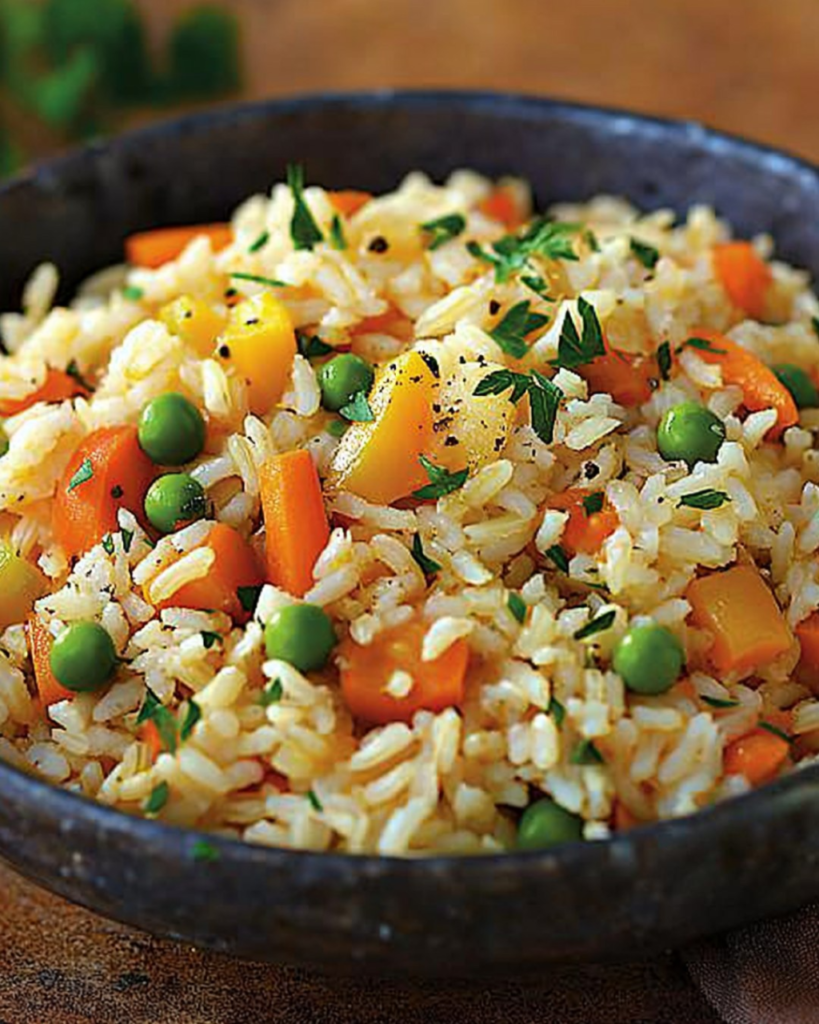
(83, 657)
(545, 823)
(690, 432)
(803, 390)
(173, 501)
(171, 430)
(341, 378)
(649, 658)
(301, 634)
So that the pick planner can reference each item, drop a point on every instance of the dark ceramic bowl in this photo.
(636, 894)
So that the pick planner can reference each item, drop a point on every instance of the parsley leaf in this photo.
(441, 481)
(260, 242)
(132, 293)
(705, 499)
(511, 254)
(204, 852)
(717, 702)
(303, 228)
(590, 238)
(664, 360)
(557, 711)
(158, 798)
(74, 371)
(575, 349)
(443, 229)
(315, 803)
(511, 333)
(271, 282)
(428, 565)
(312, 347)
(83, 474)
(517, 606)
(703, 345)
(585, 753)
(597, 625)
(646, 254)
(153, 710)
(538, 285)
(498, 381)
(337, 239)
(209, 639)
(358, 410)
(271, 694)
(775, 730)
(249, 597)
(544, 396)
(557, 555)
(593, 503)
(108, 544)
(192, 716)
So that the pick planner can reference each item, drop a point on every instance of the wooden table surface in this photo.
(748, 67)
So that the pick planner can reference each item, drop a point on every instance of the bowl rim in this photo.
(63, 805)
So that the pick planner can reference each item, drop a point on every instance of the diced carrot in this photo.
(366, 672)
(107, 472)
(392, 322)
(807, 633)
(622, 817)
(296, 526)
(758, 756)
(744, 275)
(197, 323)
(235, 566)
(739, 610)
(685, 688)
(348, 201)
(627, 378)
(21, 584)
(149, 734)
(152, 249)
(761, 389)
(58, 386)
(379, 460)
(583, 532)
(502, 205)
(40, 641)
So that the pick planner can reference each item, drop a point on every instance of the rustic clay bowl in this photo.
(643, 891)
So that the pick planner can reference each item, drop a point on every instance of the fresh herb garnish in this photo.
(585, 753)
(209, 638)
(441, 481)
(204, 852)
(337, 428)
(158, 798)
(538, 285)
(703, 345)
(83, 474)
(315, 803)
(303, 228)
(337, 239)
(557, 555)
(590, 238)
(132, 293)
(271, 694)
(718, 702)
(707, 498)
(664, 360)
(271, 282)
(153, 710)
(108, 544)
(646, 254)
(260, 242)
(127, 539)
(815, 323)
(427, 565)
(192, 716)
(593, 503)
(775, 730)
(249, 597)
(597, 625)
(74, 371)
(575, 349)
(517, 606)
(311, 346)
(443, 229)
(358, 410)
(556, 710)
(511, 254)
(511, 333)
(544, 396)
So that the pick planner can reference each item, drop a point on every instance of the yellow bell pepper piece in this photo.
(196, 323)
(21, 584)
(260, 344)
(379, 460)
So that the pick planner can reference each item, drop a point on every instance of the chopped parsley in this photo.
(337, 239)
(74, 371)
(311, 346)
(511, 333)
(646, 254)
(703, 345)
(108, 544)
(158, 798)
(593, 503)
(575, 349)
(443, 229)
(427, 565)
(132, 293)
(556, 710)
(544, 397)
(718, 702)
(271, 282)
(664, 360)
(204, 852)
(707, 498)
(315, 803)
(249, 597)
(511, 254)
(441, 481)
(83, 474)
(303, 228)
(209, 638)
(127, 539)
(517, 606)
(586, 753)
(192, 716)
(775, 730)
(557, 555)
(597, 625)
(271, 694)
(260, 242)
(358, 410)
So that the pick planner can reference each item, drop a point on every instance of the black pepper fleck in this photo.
(379, 244)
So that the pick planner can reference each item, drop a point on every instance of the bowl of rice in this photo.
(409, 514)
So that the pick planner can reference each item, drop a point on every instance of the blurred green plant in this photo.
(76, 64)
